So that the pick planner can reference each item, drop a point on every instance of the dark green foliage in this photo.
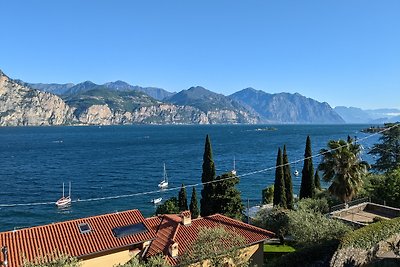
(182, 199)
(287, 173)
(207, 193)
(368, 236)
(216, 245)
(314, 255)
(276, 221)
(384, 188)
(307, 188)
(317, 181)
(268, 194)
(227, 197)
(305, 226)
(194, 208)
(342, 166)
(315, 205)
(168, 207)
(308, 227)
(279, 185)
(388, 151)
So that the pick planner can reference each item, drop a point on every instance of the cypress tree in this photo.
(208, 175)
(317, 181)
(279, 186)
(194, 209)
(307, 188)
(182, 199)
(287, 173)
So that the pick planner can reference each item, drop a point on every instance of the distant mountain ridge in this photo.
(121, 103)
(358, 115)
(286, 108)
(91, 104)
(210, 103)
(70, 88)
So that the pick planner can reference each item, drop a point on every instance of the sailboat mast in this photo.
(63, 189)
(165, 174)
(69, 189)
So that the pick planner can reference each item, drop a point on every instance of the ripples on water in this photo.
(118, 160)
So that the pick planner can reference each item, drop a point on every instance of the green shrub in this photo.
(268, 194)
(275, 220)
(316, 205)
(370, 235)
(310, 227)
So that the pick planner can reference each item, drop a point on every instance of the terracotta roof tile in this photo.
(65, 237)
(169, 230)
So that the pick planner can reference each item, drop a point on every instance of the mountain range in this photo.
(118, 102)
(376, 116)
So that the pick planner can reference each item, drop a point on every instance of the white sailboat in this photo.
(64, 200)
(234, 166)
(164, 182)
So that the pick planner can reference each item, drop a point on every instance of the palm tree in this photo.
(342, 165)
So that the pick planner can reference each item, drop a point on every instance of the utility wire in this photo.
(198, 184)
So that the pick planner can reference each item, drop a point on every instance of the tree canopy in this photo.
(182, 199)
(208, 175)
(194, 208)
(215, 247)
(342, 166)
(287, 174)
(227, 197)
(279, 185)
(307, 187)
(170, 206)
(388, 151)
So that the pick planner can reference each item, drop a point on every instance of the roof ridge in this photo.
(237, 221)
(71, 221)
(176, 232)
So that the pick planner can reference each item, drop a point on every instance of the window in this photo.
(84, 228)
(127, 230)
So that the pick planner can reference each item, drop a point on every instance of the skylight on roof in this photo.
(84, 228)
(128, 230)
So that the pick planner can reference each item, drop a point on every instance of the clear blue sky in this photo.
(343, 52)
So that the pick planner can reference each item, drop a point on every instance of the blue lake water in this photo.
(110, 161)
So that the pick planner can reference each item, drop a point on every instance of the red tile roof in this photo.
(169, 230)
(66, 237)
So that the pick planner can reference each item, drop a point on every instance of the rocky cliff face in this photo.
(157, 114)
(24, 106)
(286, 108)
(20, 105)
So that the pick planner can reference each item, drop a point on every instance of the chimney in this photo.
(173, 250)
(186, 217)
(4, 250)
